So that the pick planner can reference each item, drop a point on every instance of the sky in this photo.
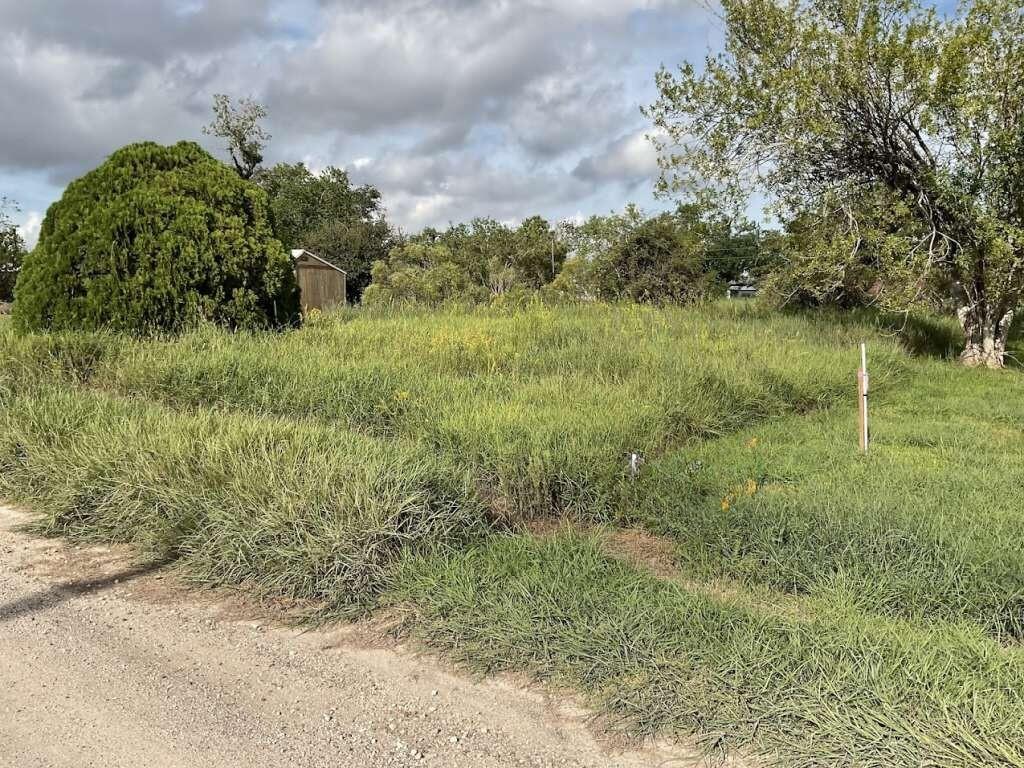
(452, 108)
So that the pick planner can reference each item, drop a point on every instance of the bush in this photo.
(12, 252)
(157, 239)
(421, 274)
(657, 262)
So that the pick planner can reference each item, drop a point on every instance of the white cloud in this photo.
(631, 159)
(454, 108)
(29, 229)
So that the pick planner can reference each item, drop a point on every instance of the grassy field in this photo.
(798, 600)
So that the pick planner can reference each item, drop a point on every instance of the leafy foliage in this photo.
(423, 274)
(657, 262)
(12, 253)
(835, 259)
(240, 128)
(470, 263)
(816, 99)
(325, 214)
(677, 257)
(156, 239)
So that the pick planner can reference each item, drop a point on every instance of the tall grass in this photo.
(875, 604)
(289, 509)
(823, 686)
(544, 406)
(928, 525)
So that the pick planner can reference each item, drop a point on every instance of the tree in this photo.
(676, 256)
(657, 262)
(240, 128)
(589, 244)
(12, 251)
(324, 213)
(819, 101)
(502, 258)
(538, 253)
(828, 258)
(421, 273)
(157, 239)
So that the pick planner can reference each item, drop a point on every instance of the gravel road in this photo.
(104, 664)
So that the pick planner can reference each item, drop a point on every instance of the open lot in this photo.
(759, 585)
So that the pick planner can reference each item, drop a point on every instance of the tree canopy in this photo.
(12, 251)
(821, 102)
(157, 239)
(242, 130)
(324, 213)
(677, 256)
(482, 261)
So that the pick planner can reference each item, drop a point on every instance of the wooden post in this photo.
(862, 398)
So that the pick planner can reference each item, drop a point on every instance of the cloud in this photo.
(454, 108)
(383, 65)
(153, 31)
(630, 160)
(425, 191)
(29, 229)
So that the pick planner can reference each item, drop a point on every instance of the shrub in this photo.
(156, 239)
(12, 252)
(421, 274)
(657, 262)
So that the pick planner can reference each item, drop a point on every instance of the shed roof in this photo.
(300, 253)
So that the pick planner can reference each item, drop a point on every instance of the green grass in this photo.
(927, 526)
(543, 405)
(824, 686)
(290, 510)
(830, 608)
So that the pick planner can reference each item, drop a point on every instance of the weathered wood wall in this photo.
(321, 287)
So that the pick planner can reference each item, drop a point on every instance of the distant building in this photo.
(321, 284)
(744, 288)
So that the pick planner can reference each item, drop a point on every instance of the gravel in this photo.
(101, 665)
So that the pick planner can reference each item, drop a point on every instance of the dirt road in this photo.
(103, 664)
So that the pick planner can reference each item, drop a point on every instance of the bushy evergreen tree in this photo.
(157, 239)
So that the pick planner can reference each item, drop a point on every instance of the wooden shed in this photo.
(321, 284)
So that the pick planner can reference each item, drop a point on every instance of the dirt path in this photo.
(102, 664)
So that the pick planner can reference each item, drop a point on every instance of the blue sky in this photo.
(453, 108)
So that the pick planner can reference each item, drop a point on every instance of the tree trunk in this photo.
(985, 337)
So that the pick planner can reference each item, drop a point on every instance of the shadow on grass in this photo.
(924, 336)
(61, 593)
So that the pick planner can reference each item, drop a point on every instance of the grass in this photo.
(924, 527)
(291, 510)
(825, 687)
(828, 608)
(544, 406)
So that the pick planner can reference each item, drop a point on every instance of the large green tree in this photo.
(12, 251)
(820, 101)
(681, 255)
(327, 215)
(502, 259)
(658, 262)
(157, 239)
